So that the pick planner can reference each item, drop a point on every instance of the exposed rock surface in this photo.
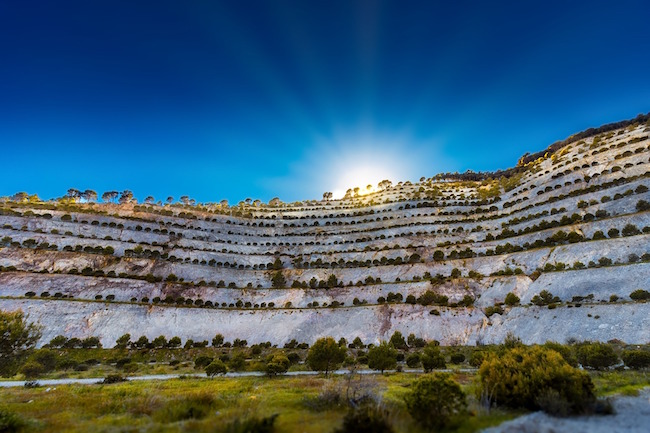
(572, 223)
(632, 416)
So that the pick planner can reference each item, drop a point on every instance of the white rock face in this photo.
(376, 246)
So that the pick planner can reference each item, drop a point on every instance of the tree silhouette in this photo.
(126, 197)
(89, 195)
(110, 196)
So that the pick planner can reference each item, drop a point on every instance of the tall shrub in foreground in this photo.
(535, 378)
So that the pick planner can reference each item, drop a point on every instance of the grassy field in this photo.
(302, 404)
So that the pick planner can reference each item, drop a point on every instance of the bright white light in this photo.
(347, 160)
(361, 159)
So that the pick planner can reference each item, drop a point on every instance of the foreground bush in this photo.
(250, 425)
(192, 406)
(368, 418)
(636, 359)
(10, 422)
(434, 399)
(535, 378)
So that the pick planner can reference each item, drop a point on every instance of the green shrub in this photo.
(216, 367)
(113, 378)
(434, 399)
(382, 357)
(596, 355)
(10, 422)
(32, 369)
(249, 425)
(544, 298)
(630, 230)
(492, 310)
(277, 364)
(47, 358)
(477, 357)
(397, 340)
(642, 205)
(511, 299)
(193, 406)
(325, 355)
(367, 418)
(237, 362)
(526, 377)
(202, 361)
(640, 295)
(413, 360)
(432, 358)
(565, 351)
(457, 358)
(636, 359)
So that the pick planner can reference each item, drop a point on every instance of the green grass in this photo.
(181, 405)
(620, 382)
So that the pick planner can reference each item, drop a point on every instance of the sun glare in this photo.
(361, 159)
(365, 177)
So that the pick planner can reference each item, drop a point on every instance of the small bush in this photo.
(113, 378)
(277, 364)
(193, 406)
(636, 359)
(457, 358)
(640, 295)
(544, 298)
(202, 361)
(511, 299)
(10, 422)
(367, 418)
(432, 358)
(216, 367)
(434, 399)
(32, 370)
(476, 358)
(382, 357)
(598, 356)
(642, 205)
(413, 360)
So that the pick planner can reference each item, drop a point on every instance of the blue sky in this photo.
(293, 98)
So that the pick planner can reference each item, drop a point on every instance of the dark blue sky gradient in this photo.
(229, 99)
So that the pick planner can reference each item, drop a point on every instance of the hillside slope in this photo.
(435, 258)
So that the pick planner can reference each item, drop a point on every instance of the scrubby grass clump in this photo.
(536, 378)
(10, 422)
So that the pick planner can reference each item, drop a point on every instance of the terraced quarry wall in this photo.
(435, 258)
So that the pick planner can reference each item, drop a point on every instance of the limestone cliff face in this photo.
(463, 240)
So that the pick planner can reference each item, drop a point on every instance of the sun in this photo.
(362, 158)
(353, 173)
